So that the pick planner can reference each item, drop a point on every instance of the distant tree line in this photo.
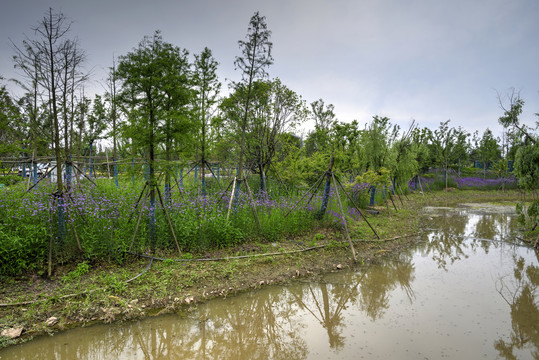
(163, 102)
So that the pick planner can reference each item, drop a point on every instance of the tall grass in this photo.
(104, 219)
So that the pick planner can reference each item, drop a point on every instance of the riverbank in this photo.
(87, 293)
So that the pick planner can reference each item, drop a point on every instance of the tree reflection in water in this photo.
(519, 291)
(459, 233)
(369, 289)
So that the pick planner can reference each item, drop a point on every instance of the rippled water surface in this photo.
(466, 290)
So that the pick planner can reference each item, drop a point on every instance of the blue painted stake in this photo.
(203, 186)
(146, 172)
(91, 162)
(325, 199)
(23, 174)
(61, 219)
(116, 172)
(393, 189)
(218, 172)
(373, 192)
(35, 174)
(68, 173)
(167, 192)
(151, 232)
(196, 173)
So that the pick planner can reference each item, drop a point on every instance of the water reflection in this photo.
(368, 290)
(456, 233)
(483, 303)
(520, 293)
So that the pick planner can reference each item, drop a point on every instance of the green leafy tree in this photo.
(377, 140)
(11, 135)
(405, 164)
(461, 149)
(526, 165)
(324, 119)
(274, 110)
(443, 146)
(488, 150)
(153, 91)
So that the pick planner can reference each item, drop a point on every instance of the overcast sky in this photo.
(428, 60)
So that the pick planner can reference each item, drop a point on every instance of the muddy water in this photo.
(465, 291)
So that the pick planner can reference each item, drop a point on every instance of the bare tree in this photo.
(50, 45)
(256, 56)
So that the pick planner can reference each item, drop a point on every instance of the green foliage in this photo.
(11, 124)
(488, 150)
(7, 180)
(377, 179)
(527, 166)
(76, 275)
(377, 140)
(528, 216)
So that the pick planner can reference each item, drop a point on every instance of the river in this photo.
(466, 290)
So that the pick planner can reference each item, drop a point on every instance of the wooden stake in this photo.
(280, 180)
(43, 177)
(391, 198)
(310, 191)
(253, 204)
(108, 165)
(420, 186)
(168, 219)
(231, 198)
(74, 229)
(343, 218)
(138, 222)
(86, 176)
(137, 203)
(213, 174)
(357, 207)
